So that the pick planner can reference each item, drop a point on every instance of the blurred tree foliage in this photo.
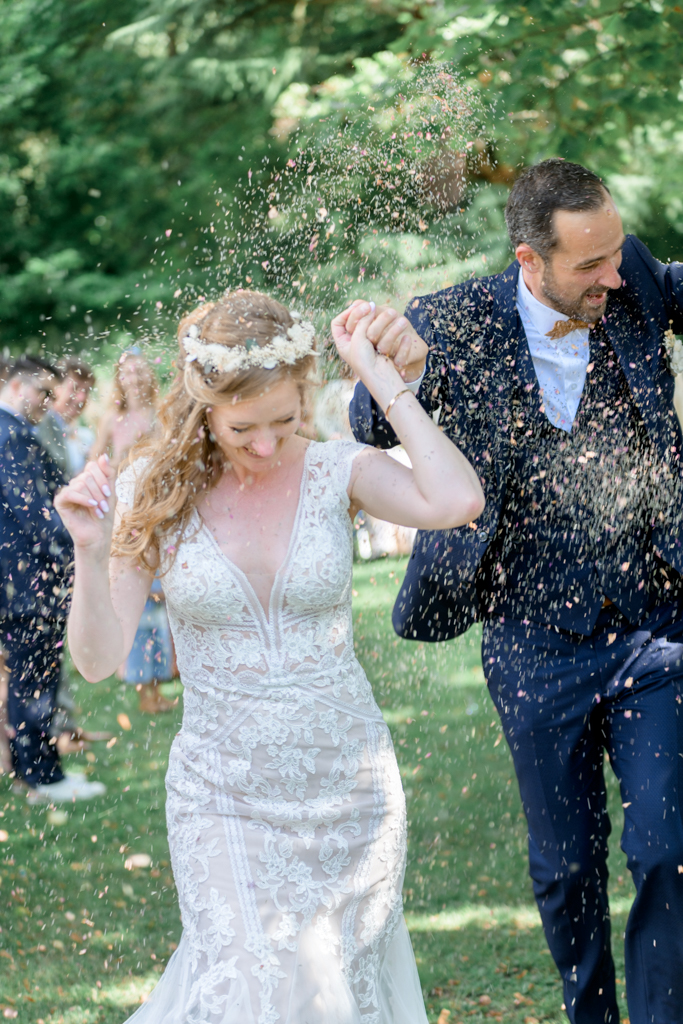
(120, 123)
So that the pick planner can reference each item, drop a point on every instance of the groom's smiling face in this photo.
(577, 276)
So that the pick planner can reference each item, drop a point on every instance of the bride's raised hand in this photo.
(349, 331)
(86, 505)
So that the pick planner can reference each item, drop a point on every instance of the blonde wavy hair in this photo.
(182, 459)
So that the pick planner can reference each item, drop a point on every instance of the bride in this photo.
(286, 816)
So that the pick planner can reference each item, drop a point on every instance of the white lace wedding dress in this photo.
(286, 815)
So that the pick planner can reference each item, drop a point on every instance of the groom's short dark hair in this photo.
(552, 185)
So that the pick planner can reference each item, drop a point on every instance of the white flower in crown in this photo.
(297, 344)
(674, 351)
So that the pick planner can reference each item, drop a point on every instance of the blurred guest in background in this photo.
(35, 554)
(132, 407)
(129, 416)
(152, 658)
(57, 429)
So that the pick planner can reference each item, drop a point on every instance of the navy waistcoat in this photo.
(576, 524)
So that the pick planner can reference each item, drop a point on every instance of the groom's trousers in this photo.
(563, 700)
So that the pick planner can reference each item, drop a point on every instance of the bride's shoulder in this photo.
(128, 479)
(335, 449)
(335, 459)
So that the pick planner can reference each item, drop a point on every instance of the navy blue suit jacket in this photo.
(474, 335)
(35, 548)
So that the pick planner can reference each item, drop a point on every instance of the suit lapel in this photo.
(505, 365)
(630, 343)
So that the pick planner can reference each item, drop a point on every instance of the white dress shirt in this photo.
(560, 365)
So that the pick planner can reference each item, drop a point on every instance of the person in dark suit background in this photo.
(56, 431)
(553, 379)
(35, 555)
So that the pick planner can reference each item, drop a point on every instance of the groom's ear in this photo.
(529, 259)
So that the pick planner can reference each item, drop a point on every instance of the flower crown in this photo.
(297, 344)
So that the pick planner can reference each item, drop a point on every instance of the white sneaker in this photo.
(72, 787)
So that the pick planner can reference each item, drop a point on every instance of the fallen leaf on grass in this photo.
(4, 836)
(111, 742)
(443, 1017)
(124, 721)
(484, 1000)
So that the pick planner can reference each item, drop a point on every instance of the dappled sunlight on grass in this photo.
(492, 916)
(126, 992)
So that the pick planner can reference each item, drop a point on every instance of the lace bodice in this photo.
(223, 637)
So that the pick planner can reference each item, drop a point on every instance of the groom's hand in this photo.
(393, 336)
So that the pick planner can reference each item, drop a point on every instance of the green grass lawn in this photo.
(82, 939)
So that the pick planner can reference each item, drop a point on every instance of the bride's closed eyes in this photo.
(243, 430)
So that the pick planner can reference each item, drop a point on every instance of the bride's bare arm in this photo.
(109, 593)
(441, 490)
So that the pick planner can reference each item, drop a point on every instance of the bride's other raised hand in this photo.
(109, 593)
(349, 331)
(86, 505)
(393, 336)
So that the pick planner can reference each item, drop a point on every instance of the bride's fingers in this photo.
(71, 496)
(361, 329)
(87, 485)
(339, 323)
(103, 475)
(96, 494)
(70, 499)
(354, 305)
(358, 312)
(96, 481)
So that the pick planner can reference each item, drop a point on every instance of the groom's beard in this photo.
(576, 309)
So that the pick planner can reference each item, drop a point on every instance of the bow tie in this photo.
(564, 327)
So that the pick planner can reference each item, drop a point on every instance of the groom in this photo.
(553, 379)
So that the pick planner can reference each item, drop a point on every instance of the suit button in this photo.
(484, 534)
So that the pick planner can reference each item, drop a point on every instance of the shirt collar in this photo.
(542, 317)
(13, 412)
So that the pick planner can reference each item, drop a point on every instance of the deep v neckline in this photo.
(250, 593)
